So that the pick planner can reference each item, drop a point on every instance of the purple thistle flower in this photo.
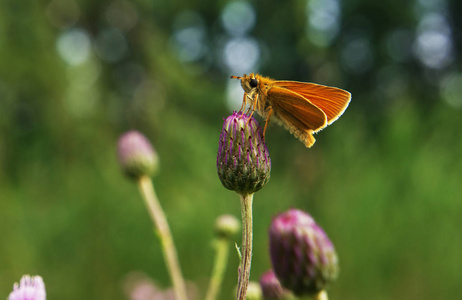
(136, 155)
(271, 287)
(29, 288)
(303, 257)
(243, 160)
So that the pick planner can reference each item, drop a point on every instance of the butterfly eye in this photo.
(253, 82)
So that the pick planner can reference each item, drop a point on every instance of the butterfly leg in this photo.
(270, 112)
(244, 102)
(252, 108)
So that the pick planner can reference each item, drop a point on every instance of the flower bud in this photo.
(271, 287)
(302, 255)
(136, 155)
(29, 288)
(226, 226)
(253, 291)
(243, 160)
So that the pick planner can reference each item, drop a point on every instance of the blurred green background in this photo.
(384, 181)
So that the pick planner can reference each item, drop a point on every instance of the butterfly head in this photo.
(248, 82)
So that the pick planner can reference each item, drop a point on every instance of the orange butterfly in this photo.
(301, 107)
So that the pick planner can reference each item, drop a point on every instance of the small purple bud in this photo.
(29, 288)
(271, 287)
(243, 160)
(226, 226)
(303, 257)
(136, 155)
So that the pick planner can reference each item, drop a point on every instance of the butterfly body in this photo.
(301, 107)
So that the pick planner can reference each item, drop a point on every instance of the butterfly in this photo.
(304, 108)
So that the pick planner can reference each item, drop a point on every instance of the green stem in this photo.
(244, 268)
(165, 237)
(221, 257)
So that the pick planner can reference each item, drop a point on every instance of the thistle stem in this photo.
(163, 231)
(221, 257)
(244, 268)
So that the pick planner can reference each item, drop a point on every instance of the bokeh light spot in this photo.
(189, 37)
(451, 90)
(241, 55)
(111, 45)
(357, 55)
(234, 94)
(63, 13)
(122, 15)
(74, 46)
(238, 18)
(399, 44)
(433, 46)
(323, 19)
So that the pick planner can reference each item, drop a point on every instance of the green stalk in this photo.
(165, 237)
(244, 268)
(221, 258)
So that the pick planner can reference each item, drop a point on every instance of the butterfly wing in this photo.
(332, 101)
(297, 114)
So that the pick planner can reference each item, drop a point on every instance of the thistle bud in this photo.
(226, 226)
(271, 287)
(253, 291)
(243, 160)
(136, 155)
(302, 255)
(29, 288)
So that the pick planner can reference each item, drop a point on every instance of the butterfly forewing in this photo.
(300, 116)
(310, 116)
(332, 101)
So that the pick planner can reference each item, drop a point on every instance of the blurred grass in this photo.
(383, 181)
(390, 202)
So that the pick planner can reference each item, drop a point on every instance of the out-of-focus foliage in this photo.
(383, 181)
